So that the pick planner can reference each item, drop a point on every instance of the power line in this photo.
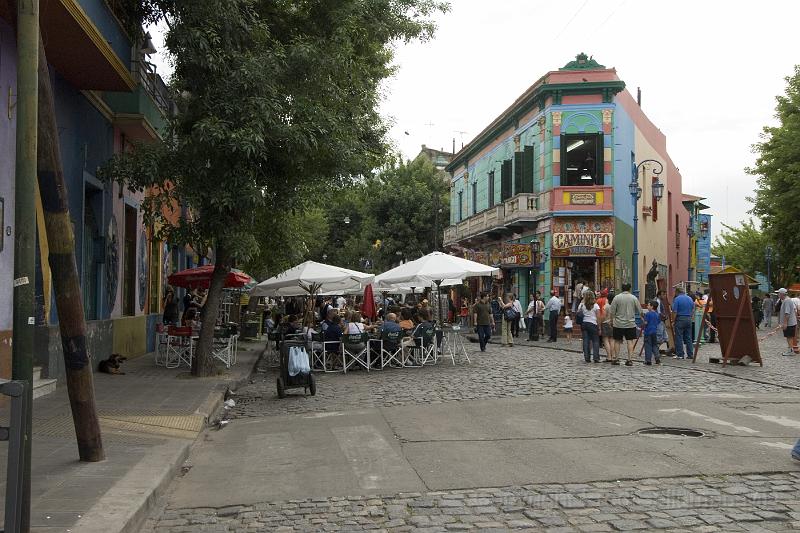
(571, 19)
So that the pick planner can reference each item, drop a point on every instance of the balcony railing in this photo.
(145, 74)
(517, 209)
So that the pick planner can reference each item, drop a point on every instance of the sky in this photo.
(709, 71)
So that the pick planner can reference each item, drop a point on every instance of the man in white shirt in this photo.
(787, 319)
(341, 302)
(517, 307)
(553, 308)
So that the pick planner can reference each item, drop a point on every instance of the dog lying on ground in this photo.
(112, 364)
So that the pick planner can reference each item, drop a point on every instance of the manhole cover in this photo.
(671, 433)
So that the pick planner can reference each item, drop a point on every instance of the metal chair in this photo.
(321, 354)
(354, 348)
(391, 351)
(223, 349)
(179, 347)
(424, 349)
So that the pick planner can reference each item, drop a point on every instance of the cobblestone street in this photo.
(731, 503)
(533, 407)
(523, 370)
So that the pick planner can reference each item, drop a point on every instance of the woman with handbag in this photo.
(509, 316)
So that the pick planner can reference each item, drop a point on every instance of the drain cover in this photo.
(671, 433)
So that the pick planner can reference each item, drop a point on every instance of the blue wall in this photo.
(624, 143)
(100, 14)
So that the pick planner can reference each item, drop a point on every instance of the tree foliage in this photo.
(399, 213)
(745, 248)
(274, 99)
(777, 166)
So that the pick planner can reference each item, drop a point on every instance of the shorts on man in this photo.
(789, 332)
(626, 333)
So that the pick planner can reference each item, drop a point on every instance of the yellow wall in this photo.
(129, 335)
(652, 235)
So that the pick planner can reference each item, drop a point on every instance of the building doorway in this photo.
(584, 271)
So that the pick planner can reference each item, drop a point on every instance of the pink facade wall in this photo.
(678, 256)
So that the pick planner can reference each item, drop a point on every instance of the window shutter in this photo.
(527, 170)
(518, 171)
(491, 188)
(505, 180)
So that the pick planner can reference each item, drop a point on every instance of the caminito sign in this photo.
(591, 244)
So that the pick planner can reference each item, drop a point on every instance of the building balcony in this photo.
(511, 216)
(140, 114)
(575, 200)
(84, 44)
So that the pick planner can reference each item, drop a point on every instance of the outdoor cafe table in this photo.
(453, 343)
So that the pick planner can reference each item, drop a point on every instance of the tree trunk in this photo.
(203, 362)
(69, 303)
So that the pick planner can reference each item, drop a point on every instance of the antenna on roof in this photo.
(639, 96)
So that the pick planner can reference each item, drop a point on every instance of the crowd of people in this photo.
(192, 305)
(332, 320)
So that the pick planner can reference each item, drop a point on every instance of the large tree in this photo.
(777, 166)
(397, 213)
(274, 98)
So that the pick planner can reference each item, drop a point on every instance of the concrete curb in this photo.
(126, 506)
(215, 398)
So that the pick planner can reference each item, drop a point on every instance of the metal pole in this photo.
(25, 226)
(769, 260)
(635, 259)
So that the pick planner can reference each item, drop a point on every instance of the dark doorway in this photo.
(129, 270)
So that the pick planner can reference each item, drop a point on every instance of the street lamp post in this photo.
(636, 193)
(769, 261)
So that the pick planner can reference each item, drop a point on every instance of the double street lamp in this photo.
(636, 193)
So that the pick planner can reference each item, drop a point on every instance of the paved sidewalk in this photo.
(149, 418)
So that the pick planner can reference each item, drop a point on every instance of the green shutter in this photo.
(518, 167)
(527, 170)
(505, 180)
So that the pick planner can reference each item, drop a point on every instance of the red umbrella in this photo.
(368, 305)
(200, 278)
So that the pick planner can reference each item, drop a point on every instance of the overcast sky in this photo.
(709, 71)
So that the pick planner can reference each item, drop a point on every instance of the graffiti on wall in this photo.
(112, 262)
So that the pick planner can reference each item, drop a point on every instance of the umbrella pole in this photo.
(438, 283)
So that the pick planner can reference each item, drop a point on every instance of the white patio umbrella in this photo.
(432, 268)
(406, 288)
(312, 278)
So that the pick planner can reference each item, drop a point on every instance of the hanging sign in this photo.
(583, 237)
(517, 255)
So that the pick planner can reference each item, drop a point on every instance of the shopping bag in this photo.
(298, 361)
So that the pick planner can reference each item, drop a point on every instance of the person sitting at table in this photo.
(354, 325)
(333, 336)
(390, 324)
(292, 325)
(328, 319)
(405, 319)
(191, 319)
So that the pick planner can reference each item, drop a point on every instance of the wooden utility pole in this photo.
(69, 303)
(27, 23)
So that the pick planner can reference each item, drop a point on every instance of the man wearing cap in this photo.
(787, 319)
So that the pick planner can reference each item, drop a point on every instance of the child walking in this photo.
(650, 335)
(568, 326)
